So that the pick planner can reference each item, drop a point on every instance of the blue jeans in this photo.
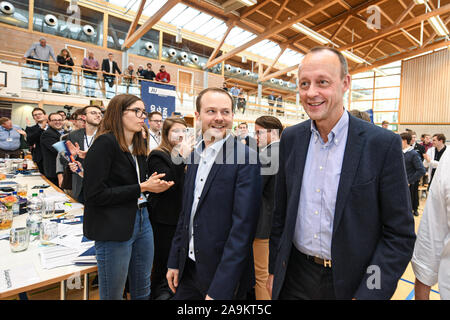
(66, 79)
(133, 258)
(90, 82)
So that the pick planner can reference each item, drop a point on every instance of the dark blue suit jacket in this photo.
(373, 224)
(224, 223)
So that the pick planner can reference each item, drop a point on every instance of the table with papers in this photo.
(40, 265)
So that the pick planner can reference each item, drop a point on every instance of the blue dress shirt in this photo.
(9, 139)
(314, 225)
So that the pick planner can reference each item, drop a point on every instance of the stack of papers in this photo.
(86, 258)
(67, 247)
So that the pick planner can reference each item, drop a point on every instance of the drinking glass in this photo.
(6, 217)
(22, 190)
(49, 209)
(49, 231)
(19, 238)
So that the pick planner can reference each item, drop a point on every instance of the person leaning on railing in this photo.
(64, 59)
(42, 52)
(90, 76)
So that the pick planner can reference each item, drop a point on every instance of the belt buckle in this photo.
(327, 263)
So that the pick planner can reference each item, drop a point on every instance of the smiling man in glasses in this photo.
(48, 138)
(82, 140)
(155, 121)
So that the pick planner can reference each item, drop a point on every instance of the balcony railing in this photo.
(43, 76)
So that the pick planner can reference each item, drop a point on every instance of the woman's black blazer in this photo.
(165, 207)
(111, 190)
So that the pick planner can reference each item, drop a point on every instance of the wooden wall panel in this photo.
(24, 39)
(425, 94)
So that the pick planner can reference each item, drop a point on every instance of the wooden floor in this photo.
(405, 288)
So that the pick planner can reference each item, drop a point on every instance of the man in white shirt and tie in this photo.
(155, 122)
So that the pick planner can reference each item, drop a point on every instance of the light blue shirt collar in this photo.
(335, 133)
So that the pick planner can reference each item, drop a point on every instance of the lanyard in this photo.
(88, 143)
(156, 140)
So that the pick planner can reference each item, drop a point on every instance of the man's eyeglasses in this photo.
(157, 121)
(59, 120)
(96, 113)
(139, 112)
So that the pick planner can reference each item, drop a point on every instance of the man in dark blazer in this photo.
(34, 136)
(342, 225)
(48, 138)
(82, 139)
(267, 131)
(109, 66)
(245, 138)
(414, 169)
(211, 255)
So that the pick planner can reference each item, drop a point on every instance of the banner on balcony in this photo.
(158, 97)
(370, 112)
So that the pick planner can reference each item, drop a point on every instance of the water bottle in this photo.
(34, 218)
(42, 196)
(16, 205)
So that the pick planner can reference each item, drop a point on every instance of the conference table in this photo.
(27, 266)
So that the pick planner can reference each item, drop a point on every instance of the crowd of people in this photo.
(313, 211)
(39, 54)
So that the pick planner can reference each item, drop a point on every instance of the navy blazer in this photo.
(414, 166)
(373, 228)
(224, 223)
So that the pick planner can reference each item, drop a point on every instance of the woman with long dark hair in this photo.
(65, 61)
(115, 213)
(165, 207)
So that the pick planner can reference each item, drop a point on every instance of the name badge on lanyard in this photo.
(9, 140)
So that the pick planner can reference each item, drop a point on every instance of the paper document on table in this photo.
(57, 256)
(68, 207)
(18, 276)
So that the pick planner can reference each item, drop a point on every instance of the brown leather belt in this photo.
(323, 262)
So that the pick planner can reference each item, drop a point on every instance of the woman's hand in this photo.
(74, 167)
(186, 147)
(155, 185)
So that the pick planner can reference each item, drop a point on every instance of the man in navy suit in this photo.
(211, 255)
(342, 226)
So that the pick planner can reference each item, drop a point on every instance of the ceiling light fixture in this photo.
(232, 5)
(310, 33)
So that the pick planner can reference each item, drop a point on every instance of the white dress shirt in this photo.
(154, 140)
(207, 158)
(431, 258)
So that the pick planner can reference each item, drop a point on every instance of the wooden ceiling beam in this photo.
(405, 13)
(401, 56)
(230, 25)
(279, 73)
(274, 30)
(136, 19)
(330, 22)
(283, 49)
(277, 15)
(394, 28)
(249, 10)
(341, 26)
(433, 35)
(149, 23)
(371, 49)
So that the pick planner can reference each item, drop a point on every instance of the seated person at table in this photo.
(11, 139)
